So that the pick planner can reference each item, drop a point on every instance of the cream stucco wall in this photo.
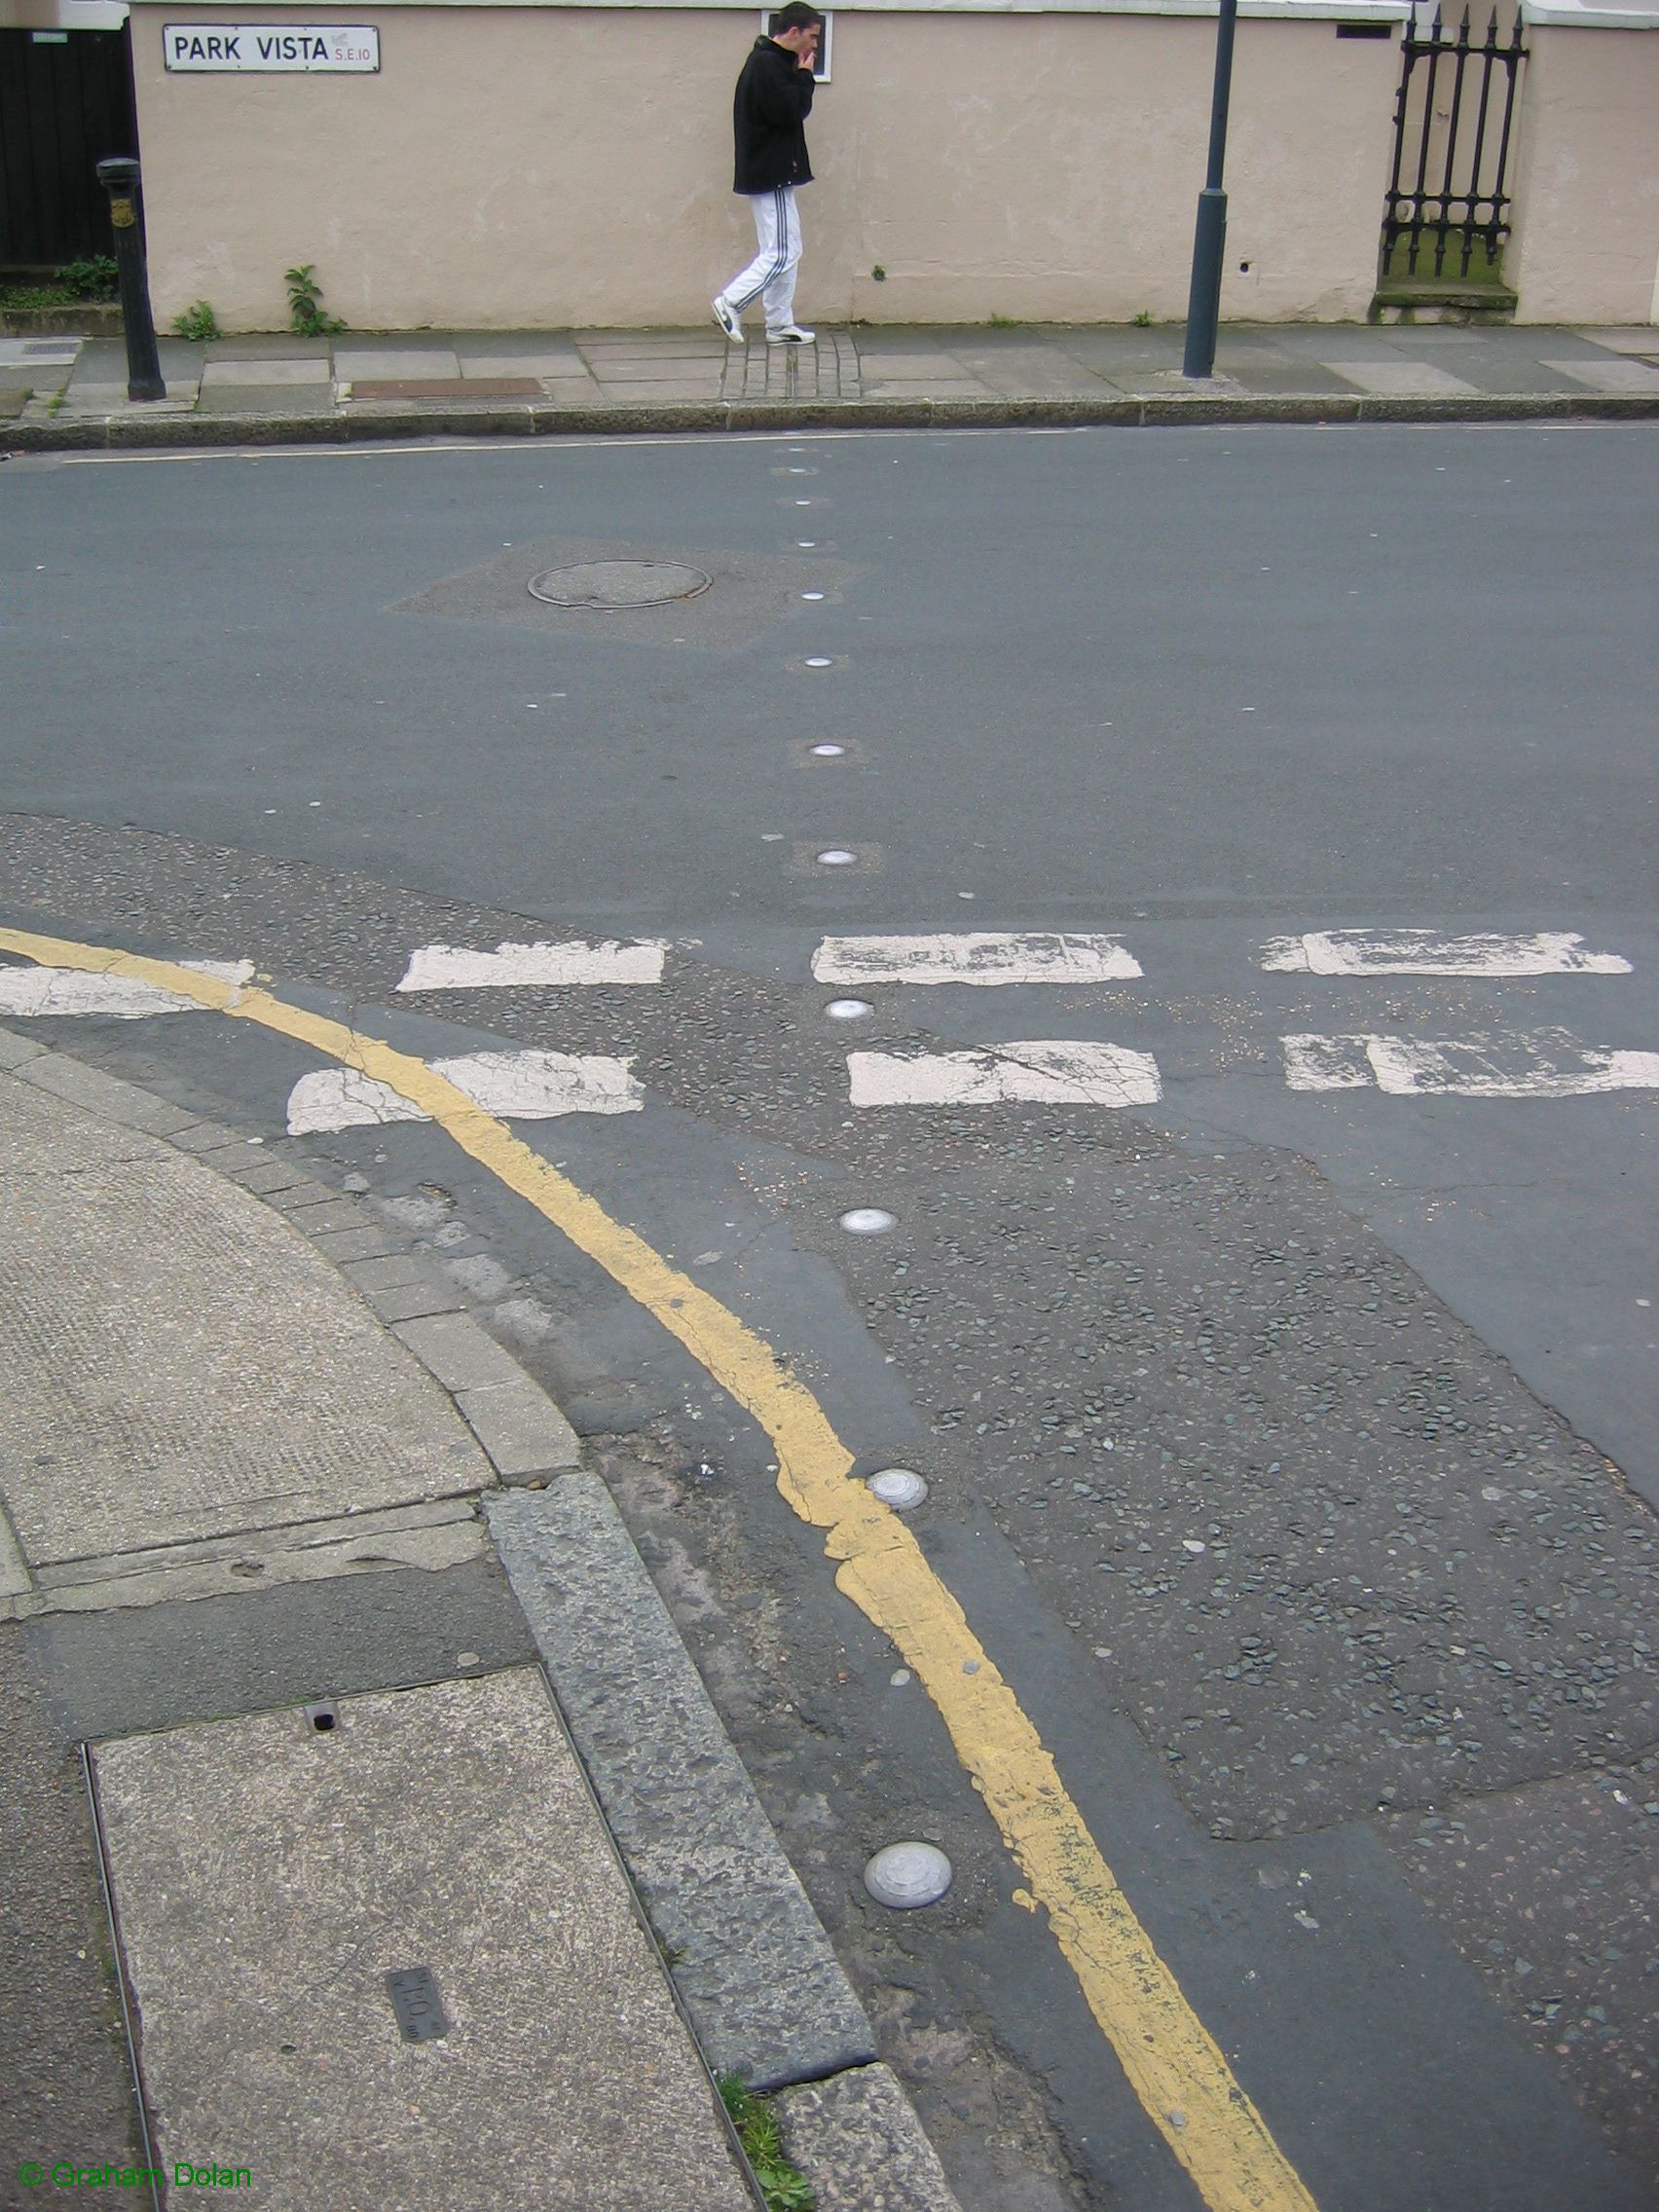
(568, 165)
(1586, 236)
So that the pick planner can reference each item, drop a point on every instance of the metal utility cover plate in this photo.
(615, 586)
(636, 594)
(269, 1880)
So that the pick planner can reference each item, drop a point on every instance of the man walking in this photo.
(774, 97)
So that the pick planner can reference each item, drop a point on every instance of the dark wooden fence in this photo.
(65, 103)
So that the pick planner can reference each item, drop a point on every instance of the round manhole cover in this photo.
(613, 587)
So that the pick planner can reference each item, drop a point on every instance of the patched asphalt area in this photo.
(1335, 1557)
(1122, 1348)
(1550, 1891)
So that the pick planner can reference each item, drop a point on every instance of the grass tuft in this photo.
(782, 2185)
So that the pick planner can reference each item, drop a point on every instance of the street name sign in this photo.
(289, 47)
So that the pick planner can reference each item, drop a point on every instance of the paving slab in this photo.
(955, 386)
(265, 370)
(352, 361)
(1036, 370)
(39, 352)
(269, 399)
(103, 359)
(432, 1538)
(1642, 339)
(520, 1426)
(180, 1364)
(1400, 379)
(530, 363)
(1626, 375)
(883, 363)
(111, 398)
(261, 345)
(280, 1890)
(469, 387)
(43, 1131)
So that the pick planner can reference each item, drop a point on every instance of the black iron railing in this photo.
(1453, 126)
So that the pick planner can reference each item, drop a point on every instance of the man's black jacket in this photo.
(774, 97)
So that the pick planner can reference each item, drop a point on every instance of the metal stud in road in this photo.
(836, 855)
(901, 1488)
(848, 1009)
(828, 752)
(905, 1875)
(868, 1221)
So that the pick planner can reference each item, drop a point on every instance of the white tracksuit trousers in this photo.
(770, 277)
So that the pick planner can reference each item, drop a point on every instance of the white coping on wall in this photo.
(1279, 10)
(1579, 15)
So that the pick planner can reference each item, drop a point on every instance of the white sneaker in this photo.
(790, 334)
(728, 321)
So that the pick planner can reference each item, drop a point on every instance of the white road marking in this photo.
(1426, 952)
(1056, 1071)
(458, 968)
(76, 991)
(1538, 1063)
(981, 956)
(524, 1087)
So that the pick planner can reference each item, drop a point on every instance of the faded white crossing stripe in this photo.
(459, 968)
(78, 990)
(977, 956)
(524, 1087)
(1050, 1071)
(1538, 1063)
(1429, 952)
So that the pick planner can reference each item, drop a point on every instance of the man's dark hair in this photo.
(796, 15)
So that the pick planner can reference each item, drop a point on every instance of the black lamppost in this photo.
(1209, 242)
(118, 176)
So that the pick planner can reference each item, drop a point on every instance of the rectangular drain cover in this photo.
(276, 1886)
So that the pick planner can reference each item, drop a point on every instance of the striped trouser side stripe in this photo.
(780, 258)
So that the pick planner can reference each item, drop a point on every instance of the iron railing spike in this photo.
(1468, 212)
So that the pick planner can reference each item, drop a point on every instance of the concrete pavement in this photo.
(376, 1939)
(65, 393)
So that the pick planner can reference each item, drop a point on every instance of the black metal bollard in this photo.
(119, 177)
(1204, 301)
(1209, 238)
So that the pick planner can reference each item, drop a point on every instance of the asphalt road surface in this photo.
(1258, 1087)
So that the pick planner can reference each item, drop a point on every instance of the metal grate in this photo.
(1448, 214)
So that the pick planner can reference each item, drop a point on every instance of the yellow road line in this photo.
(1175, 2064)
